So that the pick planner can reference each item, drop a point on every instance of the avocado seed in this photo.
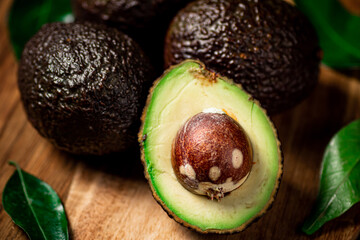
(211, 154)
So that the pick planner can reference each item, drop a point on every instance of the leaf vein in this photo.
(334, 194)
(28, 200)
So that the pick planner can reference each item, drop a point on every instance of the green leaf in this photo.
(340, 178)
(35, 207)
(27, 16)
(338, 31)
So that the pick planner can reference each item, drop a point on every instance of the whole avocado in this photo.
(267, 46)
(83, 86)
(146, 21)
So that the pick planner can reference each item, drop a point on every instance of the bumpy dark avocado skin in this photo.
(146, 21)
(127, 14)
(268, 46)
(83, 87)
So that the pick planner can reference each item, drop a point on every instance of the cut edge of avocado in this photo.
(151, 173)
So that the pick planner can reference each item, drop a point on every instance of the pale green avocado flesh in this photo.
(181, 93)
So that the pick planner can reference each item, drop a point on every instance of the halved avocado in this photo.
(180, 93)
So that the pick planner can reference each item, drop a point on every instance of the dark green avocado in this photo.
(268, 46)
(146, 21)
(83, 86)
(127, 14)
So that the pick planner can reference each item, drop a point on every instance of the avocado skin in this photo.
(83, 87)
(146, 21)
(127, 14)
(267, 46)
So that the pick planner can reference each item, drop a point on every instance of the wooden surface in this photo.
(108, 198)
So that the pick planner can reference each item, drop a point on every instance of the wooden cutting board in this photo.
(108, 198)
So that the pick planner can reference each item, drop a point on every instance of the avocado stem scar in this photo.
(144, 138)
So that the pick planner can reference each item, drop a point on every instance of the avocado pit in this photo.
(211, 154)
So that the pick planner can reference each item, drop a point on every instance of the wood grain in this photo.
(108, 197)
